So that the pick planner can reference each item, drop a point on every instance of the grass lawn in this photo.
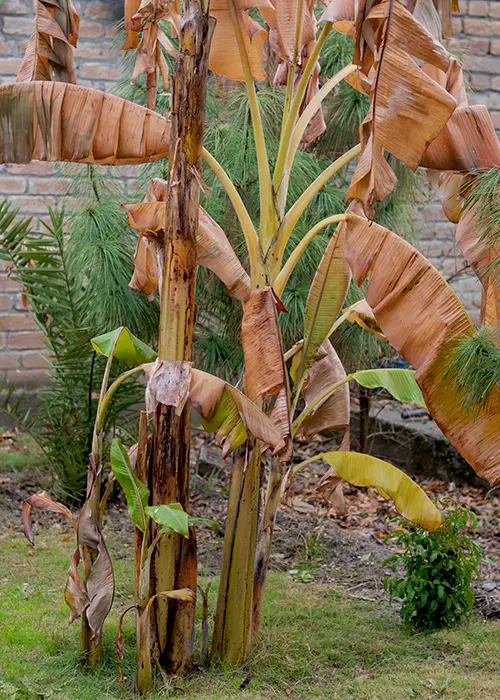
(316, 642)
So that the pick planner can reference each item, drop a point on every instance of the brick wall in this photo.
(35, 186)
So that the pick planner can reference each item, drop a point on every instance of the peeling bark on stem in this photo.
(174, 562)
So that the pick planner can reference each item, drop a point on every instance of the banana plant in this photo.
(89, 594)
(414, 88)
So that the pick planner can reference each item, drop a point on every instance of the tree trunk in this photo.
(174, 563)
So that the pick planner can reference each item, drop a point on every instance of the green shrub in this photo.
(439, 566)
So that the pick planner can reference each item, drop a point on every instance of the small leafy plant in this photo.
(436, 589)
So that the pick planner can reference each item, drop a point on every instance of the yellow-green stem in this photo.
(279, 170)
(311, 110)
(284, 275)
(268, 213)
(296, 211)
(251, 236)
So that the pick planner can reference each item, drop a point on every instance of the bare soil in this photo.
(311, 541)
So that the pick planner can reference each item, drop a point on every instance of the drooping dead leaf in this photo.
(408, 108)
(330, 488)
(43, 501)
(224, 52)
(335, 411)
(481, 255)
(75, 592)
(49, 54)
(213, 248)
(362, 314)
(282, 19)
(341, 13)
(423, 319)
(168, 384)
(132, 35)
(448, 186)
(262, 347)
(51, 121)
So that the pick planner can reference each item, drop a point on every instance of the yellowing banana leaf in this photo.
(136, 493)
(335, 411)
(51, 121)
(224, 52)
(262, 347)
(408, 108)
(230, 413)
(400, 383)
(326, 296)
(49, 54)
(125, 346)
(365, 470)
(423, 319)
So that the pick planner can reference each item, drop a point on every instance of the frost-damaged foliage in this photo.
(49, 54)
(417, 114)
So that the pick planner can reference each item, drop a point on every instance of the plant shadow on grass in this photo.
(315, 642)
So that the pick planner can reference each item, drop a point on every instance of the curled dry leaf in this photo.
(335, 411)
(408, 108)
(362, 314)
(225, 49)
(423, 319)
(43, 501)
(330, 489)
(213, 248)
(342, 15)
(62, 122)
(168, 384)
(262, 347)
(132, 34)
(282, 20)
(49, 54)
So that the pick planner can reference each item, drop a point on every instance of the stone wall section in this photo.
(34, 187)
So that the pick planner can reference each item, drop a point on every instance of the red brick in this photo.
(33, 360)
(89, 30)
(98, 10)
(33, 204)
(457, 25)
(6, 301)
(3, 340)
(99, 71)
(480, 81)
(29, 340)
(4, 47)
(478, 8)
(34, 168)
(495, 47)
(110, 32)
(495, 9)
(17, 7)
(16, 322)
(6, 284)
(52, 185)
(9, 360)
(12, 185)
(482, 27)
(27, 377)
(495, 83)
(18, 25)
(471, 44)
(94, 50)
(9, 66)
(482, 64)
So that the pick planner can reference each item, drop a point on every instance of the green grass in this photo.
(26, 454)
(315, 643)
